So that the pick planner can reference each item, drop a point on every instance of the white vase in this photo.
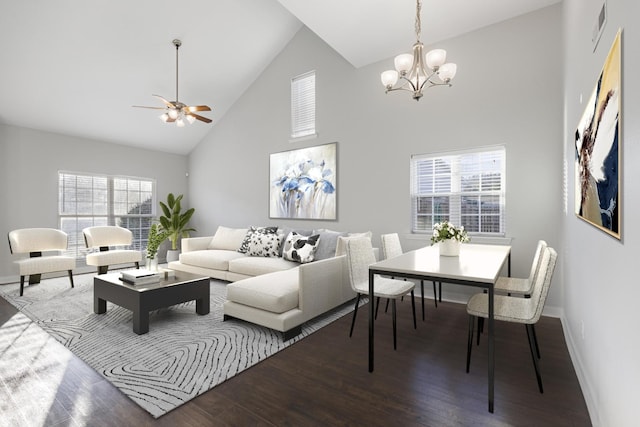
(152, 263)
(449, 247)
(173, 255)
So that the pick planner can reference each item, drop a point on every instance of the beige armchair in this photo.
(104, 238)
(35, 241)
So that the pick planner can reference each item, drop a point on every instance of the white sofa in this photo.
(269, 291)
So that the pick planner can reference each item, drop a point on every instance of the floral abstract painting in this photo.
(303, 183)
(597, 150)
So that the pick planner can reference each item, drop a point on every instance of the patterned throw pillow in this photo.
(265, 245)
(244, 247)
(300, 248)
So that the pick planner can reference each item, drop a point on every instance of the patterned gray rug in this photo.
(181, 357)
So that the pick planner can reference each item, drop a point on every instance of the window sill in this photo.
(303, 138)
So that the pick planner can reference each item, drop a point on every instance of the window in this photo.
(86, 200)
(465, 188)
(303, 105)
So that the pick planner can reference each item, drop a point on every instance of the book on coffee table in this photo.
(140, 276)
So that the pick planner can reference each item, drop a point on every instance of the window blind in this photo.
(303, 105)
(465, 188)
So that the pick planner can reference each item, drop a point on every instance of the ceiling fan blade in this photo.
(153, 108)
(169, 104)
(201, 118)
(199, 108)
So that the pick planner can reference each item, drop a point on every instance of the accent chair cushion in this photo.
(300, 248)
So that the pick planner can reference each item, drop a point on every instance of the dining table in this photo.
(477, 265)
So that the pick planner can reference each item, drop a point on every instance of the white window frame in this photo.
(87, 199)
(437, 192)
(303, 106)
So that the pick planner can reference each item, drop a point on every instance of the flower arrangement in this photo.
(446, 231)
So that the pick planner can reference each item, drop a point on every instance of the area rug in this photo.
(182, 356)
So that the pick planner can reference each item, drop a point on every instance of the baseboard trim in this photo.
(583, 379)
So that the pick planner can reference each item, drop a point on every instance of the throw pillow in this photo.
(328, 243)
(265, 245)
(341, 247)
(300, 248)
(284, 231)
(244, 247)
(228, 238)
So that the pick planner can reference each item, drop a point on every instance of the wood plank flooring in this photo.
(323, 381)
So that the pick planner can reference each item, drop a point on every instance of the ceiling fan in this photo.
(176, 111)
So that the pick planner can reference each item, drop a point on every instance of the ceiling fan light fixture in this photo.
(180, 123)
(164, 117)
(173, 113)
(190, 119)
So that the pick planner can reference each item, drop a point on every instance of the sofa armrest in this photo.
(190, 244)
(323, 286)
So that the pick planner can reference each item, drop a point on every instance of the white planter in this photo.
(173, 255)
(449, 247)
(152, 263)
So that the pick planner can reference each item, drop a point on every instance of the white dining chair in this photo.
(359, 257)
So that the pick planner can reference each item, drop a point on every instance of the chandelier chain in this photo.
(418, 22)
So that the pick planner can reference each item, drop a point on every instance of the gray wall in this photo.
(601, 286)
(500, 96)
(29, 164)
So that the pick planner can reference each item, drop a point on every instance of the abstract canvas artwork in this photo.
(597, 150)
(303, 183)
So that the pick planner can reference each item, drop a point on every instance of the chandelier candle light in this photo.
(412, 73)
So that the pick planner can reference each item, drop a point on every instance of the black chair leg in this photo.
(137, 265)
(480, 328)
(393, 311)
(413, 307)
(535, 340)
(470, 341)
(71, 278)
(533, 357)
(21, 285)
(440, 291)
(355, 312)
(422, 294)
(386, 308)
(377, 306)
(435, 294)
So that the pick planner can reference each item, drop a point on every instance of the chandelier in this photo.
(412, 74)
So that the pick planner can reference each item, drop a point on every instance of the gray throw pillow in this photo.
(327, 243)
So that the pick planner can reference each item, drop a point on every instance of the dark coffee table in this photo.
(141, 299)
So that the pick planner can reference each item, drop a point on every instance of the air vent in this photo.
(598, 26)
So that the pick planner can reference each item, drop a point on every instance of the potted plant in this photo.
(174, 223)
(155, 239)
(449, 237)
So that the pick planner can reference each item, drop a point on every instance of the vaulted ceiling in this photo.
(77, 67)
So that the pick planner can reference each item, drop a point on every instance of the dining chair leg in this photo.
(386, 307)
(21, 285)
(470, 340)
(435, 294)
(534, 358)
(480, 328)
(422, 294)
(393, 314)
(535, 340)
(413, 307)
(440, 291)
(71, 277)
(355, 312)
(377, 306)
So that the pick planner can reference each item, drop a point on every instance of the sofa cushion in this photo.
(327, 243)
(265, 245)
(276, 292)
(244, 247)
(210, 258)
(300, 248)
(254, 266)
(228, 238)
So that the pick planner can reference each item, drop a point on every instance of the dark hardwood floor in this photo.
(323, 380)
